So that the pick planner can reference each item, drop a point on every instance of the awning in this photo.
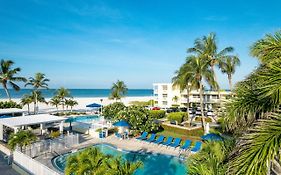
(11, 111)
(94, 105)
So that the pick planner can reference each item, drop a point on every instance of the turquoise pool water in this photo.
(85, 119)
(154, 164)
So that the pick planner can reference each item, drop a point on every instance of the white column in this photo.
(42, 128)
(16, 129)
(61, 126)
(1, 131)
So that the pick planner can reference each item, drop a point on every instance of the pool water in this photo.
(154, 164)
(84, 119)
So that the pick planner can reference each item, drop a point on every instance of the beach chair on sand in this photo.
(196, 147)
(186, 145)
(159, 140)
(143, 136)
(152, 138)
(168, 141)
(176, 143)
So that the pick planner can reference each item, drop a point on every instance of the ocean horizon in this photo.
(48, 93)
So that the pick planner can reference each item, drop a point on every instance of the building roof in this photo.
(30, 120)
(11, 111)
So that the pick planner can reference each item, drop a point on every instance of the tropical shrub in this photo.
(177, 116)
(55, 134)
(21, 139)
(207, 119)
(143, 103)
(139, 119)
(9, 104)
(157, 114)
(110, 111)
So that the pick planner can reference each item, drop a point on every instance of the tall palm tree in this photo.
(228, 66)
(198, 71)
(37, 97)
(55, 101)
(21, 139)
(26, 100)
(119, 89)
(38, 81)
(8, 76)
(89, 161)
(62, 93)
(117, 166)
(71, 103)
(207, 48)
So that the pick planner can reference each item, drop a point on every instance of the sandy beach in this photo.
(82, 102)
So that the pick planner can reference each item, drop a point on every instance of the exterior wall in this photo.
(164, 94)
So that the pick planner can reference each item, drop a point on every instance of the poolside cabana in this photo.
(123, 127)
(16, 123)
(12, 112)
(94, 106)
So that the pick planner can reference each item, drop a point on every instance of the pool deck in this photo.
(126, 144)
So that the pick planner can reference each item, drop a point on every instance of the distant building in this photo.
(165, 95)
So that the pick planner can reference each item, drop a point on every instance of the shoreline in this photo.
(83, 101)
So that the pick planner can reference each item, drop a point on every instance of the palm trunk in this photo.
(71, 108)
(28, 110)
(187, 90)
(34, 107)
(7, 91)
(219, 95)
(35, 102)
(230, 82)
(201, 106)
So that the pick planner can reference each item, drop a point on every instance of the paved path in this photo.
(5, 169)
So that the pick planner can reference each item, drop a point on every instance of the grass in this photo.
(177, 135)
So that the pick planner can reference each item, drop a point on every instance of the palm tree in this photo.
(206, 47)
(8, 76)
(26, 100)
(118, 166)
(89, 161)
(62, 93)
(176, 99)
(114, 96)
(198, 71)
(211, 159)
(38, 81)
(228, 66)
(21, 139)
(119, 89)
(71, 103)
(37, 97)
(55, 101)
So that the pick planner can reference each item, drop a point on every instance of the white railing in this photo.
(31, 165)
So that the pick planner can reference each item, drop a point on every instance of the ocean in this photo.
(48, 93)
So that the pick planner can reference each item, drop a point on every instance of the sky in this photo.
(93, 43)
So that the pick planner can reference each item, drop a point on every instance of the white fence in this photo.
(31, 165)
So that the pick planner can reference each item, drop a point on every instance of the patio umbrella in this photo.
(121, 123)
(212, 137)
(93, 105)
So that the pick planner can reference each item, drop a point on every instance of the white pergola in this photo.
(12, 111)
(18, 122)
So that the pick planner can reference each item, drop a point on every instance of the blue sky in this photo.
(90, 44)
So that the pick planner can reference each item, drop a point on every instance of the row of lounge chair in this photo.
(170, 141)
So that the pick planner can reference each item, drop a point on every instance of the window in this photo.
(215, 97)
(196, 96)
(164, 102)
(165, 95)
(165, 87)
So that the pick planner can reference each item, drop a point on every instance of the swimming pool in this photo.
(154, 164)
(84, 119)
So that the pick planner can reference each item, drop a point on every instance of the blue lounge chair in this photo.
(196, 147)
(176, 143)
(159, 140)
(168, 141)
(152, 138)
(143, 136)
(186, 145)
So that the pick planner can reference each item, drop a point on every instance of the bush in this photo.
(142, 103)
(110, 111)
(156, 114)
(55, 134)
(9, 104)
(194, 132)
(207, 119)
(177, 116)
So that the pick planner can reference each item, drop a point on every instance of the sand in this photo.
(82, 102)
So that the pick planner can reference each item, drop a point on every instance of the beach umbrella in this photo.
(121, 123)
(93, 105)
(212, 137)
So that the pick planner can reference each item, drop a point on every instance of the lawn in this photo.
(178, 135)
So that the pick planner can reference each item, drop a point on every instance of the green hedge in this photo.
(207, 119)
(157, 114)
(177, 116)
(194, 132)
(9, 104)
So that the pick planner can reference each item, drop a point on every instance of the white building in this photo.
(165, 95)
